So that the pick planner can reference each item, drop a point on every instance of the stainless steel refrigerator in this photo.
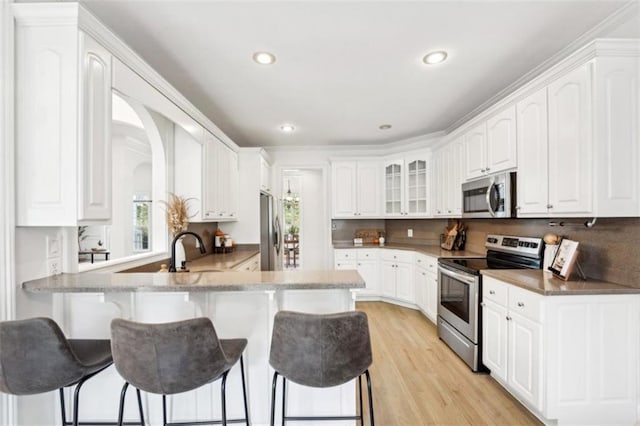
(270, 234)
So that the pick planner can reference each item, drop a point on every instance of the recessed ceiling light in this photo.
(287, 128)
(264, 58)
(384, 126)
(435, 57)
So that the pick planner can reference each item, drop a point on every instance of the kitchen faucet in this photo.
(203, 250)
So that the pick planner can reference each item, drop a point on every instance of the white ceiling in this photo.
(344, 68)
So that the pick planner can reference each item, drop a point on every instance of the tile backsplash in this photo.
(609, 251)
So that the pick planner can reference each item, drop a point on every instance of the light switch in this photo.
(410, 233)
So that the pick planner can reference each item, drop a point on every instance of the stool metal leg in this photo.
(63, 410)
(273, 397)
(370, 398)
(223, 387)
(244, 390)
(360, 394)
(164, 410)
(123, 393)
(140, 407)
(284, 399)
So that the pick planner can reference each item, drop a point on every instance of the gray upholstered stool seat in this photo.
(35, 357)
(320, 351)
(175, 357)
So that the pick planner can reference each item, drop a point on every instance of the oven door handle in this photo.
(458, 276)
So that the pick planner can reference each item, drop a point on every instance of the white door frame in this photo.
(8, 404)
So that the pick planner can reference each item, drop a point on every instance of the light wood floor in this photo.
(418, 380)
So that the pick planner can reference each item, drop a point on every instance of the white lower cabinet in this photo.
(426, 285)
(366, 262)
(397, 275)
(569, 359)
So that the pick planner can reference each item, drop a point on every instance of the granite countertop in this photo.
(434, 250)
(543, 282)
(195, 281)
(214, 262)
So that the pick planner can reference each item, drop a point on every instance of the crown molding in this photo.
(52, 14)
(562, 57)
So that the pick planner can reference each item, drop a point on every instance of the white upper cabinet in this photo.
(617, 147)
(475, 151)
(533, 176)
(407, 186)
(394, 188)
(63, 122)
(95, 141)
(490, 147)
(448, 176)
(356, 189)
(501, 141)
(221, 181)
(570, 143)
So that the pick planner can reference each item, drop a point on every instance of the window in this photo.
(141, 224)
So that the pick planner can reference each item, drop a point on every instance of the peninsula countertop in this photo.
(545, 283)
(195, 281)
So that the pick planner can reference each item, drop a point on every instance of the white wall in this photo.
(313, 221)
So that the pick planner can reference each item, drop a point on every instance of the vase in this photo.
(180, 255)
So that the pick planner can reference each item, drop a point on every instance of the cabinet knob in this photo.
(482, 170)
(518, 207)
(448, 211)
(549, 206)
(521, 305)
(424, 273)
(508, 318)
(487, 169)
(492, 292)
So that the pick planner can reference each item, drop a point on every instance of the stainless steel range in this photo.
(460, 291)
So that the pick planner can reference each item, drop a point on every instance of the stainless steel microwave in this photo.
(491, 196)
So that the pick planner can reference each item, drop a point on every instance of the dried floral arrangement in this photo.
(177, 211)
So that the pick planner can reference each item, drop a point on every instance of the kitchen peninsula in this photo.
(240, 304)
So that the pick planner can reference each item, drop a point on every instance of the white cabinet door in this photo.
(388, 287)
(421, 288)
(404, 282)
(95, 143)
(524, 369)
(188, 162)
(432, 297)
(417, 186)
(501, 141)
(344, 189)
(393, 188)
(368, 269)
(441, 183)
(617, 155)
(475, 141)
(533, 177)
(570, 143)
(455, 177)
(221, 177)
(494, 339)
(367, 189)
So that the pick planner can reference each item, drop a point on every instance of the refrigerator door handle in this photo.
(276, 235)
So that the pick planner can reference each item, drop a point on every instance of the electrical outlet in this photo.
(410, 233)
(334, 227)
(54, 266)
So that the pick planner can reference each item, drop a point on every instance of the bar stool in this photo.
(35, 357)
(320, 351)
(175, 357)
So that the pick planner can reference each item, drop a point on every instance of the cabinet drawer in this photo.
(345, 264)
(368, 254)
(525, 303)
(495, 291)
(345, 254)
(430, 264)
(397, 256)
